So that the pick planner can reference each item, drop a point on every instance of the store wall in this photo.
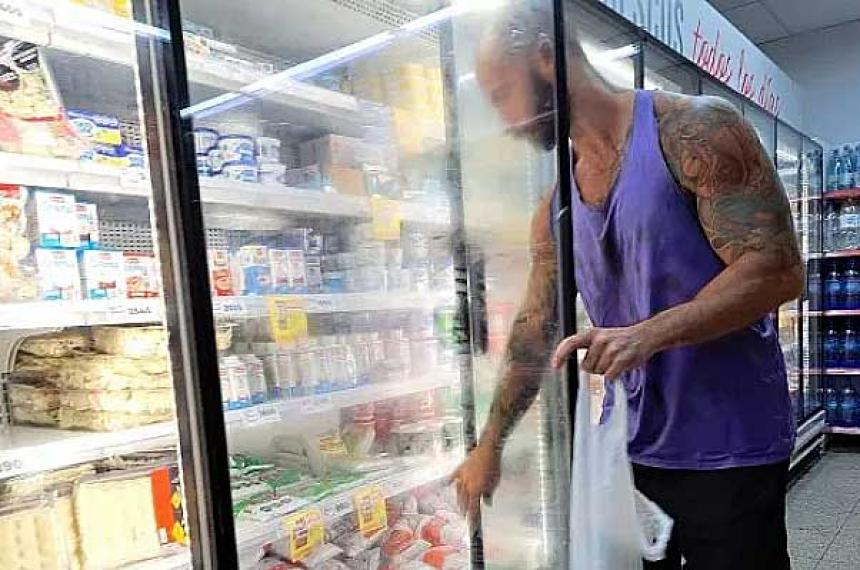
(826, 66)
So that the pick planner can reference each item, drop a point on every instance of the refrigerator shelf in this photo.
(252, 535)
(25, 449)
(833, 371)
(844, 430)
(64, 314)
(846, 194)
(174, 557)
(320, 403)
(31, 170)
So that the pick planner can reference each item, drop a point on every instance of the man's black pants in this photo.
(727, 519)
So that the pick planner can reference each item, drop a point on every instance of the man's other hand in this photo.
(609, 351)
(477, 477)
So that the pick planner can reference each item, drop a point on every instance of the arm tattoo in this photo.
(529, 347)
(715, 154)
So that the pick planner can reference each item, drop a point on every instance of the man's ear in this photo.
(545, 59)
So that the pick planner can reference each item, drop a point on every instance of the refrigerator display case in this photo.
(367, 243)
(89, 473)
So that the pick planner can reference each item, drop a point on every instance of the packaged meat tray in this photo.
(131, 342)
(106, 421)
(157, 401)
(56, 345)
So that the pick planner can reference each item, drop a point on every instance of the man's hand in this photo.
(611, 351)
(477, 477)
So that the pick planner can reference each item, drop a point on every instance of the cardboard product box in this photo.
(103, 274)
(59, 277)
(141, 276)
(53, 220)
(345, 180)
(332, 150)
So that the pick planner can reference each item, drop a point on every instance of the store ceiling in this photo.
(768, 20)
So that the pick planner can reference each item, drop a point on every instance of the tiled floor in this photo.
(824, 515)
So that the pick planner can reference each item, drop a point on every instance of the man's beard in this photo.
(543, 131)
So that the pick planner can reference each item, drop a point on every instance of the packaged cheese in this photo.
(32, 416)
(38, 535)
(59, 278)
(34, 396)
(141, 276)
(107, 421)
(56, 345)
(88, 224)
(102, 274)
(116, 520)
(99, 372)
(53, 220)
(131, 342)
(144, 402)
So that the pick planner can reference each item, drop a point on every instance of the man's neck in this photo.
(600, 114)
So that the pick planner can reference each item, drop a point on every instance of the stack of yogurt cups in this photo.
(240, 158)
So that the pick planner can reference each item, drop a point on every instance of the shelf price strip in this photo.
(370, 510)
(305, 532)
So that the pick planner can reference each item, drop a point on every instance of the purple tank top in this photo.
(720, 404)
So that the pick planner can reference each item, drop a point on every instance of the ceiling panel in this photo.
(757, 22)
(727, 4)
(805, 15)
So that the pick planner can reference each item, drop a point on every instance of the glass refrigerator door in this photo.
(89, 475)
(811, 187)
(788, 165)
(667, 71)
(353, 182)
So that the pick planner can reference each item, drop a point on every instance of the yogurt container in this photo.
(238, 148)
(240, 172)
(216, 161)
(272, 172)
(268, 149)
(205, 140)
(204, 166)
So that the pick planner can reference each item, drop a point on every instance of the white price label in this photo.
(231, 308)
(11, 466)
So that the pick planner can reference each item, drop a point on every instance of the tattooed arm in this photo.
(716, 156)
(528, 350)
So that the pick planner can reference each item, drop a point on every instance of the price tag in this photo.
(370, 510)
(11, 465)
(288, 318)
(228, 308)
(386, 217)
(304, 532)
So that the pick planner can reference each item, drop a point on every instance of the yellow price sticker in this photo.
(304, 531)
(288, 318)
(370, 510)
(386, 217)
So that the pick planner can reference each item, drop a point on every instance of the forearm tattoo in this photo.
(715, 154)
(528, 349)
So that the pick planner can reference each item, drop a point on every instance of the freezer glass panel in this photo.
(764, 127)
(667, 71)
(89, 473)
(712, 87)
(609, 46)
(811, 181)
(788, 165)
(367, 214)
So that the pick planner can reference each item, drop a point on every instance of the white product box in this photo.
(59, 278)
(103, 274)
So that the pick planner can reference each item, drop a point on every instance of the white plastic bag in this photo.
(612, 526)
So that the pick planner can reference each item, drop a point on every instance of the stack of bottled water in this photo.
(842, 406)
(843, 169)
(841, 225)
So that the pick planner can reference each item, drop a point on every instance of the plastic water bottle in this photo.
(848, 407)
(831, 405)
(834, 171)
(834, 291)
(849, 225)
(850, 347)
(831, 226)
(849, 167)
(832, 348)
(851, 295)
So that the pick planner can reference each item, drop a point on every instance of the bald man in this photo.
(683, 247)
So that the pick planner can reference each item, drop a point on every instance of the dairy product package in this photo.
(256, 378)
(167, 500)
(235, 376)
(31, 116)
(240, 149)
(54, 220)
(268, 150)
(139, 402)
(220, 275)
(272, 173)
(288, 270)
(102, 274)
(205, 140)
(240, 172)
(131, 342)
(141, 276)
(88, 224)
(95, 128)
(313, 273)
(38, 534)
(116, 520)
(56, 345)
(59, 278)
(304, 177)
(256, 271)
(16, 276)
